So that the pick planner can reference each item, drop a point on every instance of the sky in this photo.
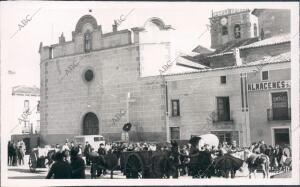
(19, 52)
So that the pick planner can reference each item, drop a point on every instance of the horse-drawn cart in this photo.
(133, 164)
(144, 164)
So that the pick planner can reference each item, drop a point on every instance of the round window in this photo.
(89, 75)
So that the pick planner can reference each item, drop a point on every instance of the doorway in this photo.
(281, 136)
(90, 124)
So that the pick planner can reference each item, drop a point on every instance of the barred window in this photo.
(175, 107)
(223, 79)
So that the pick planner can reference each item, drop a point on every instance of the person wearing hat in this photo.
(77, 165)
(101, 151)
(193, 155)
(60, 169)
(87, 151)
(173, 161)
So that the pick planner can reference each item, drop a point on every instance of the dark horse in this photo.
(228, 164)
(102, 162)
(201, 165)
(164, 165)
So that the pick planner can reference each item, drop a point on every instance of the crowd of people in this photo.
(279, 155)
(16, 152)
(69, 158)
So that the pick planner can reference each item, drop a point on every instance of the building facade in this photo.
(86, 82)
(25, 114)
(97, 82)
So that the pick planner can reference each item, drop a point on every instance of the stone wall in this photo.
(197, 96)
(260, 102)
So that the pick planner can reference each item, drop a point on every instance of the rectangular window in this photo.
(38, 107)
(280, 106)
(26, 104)
(51, 52)
(227, 136)
(224, 30)
(175, 107)
(223, 108)
(175, 133)
(265, 75)
(223, 79)
(98, 139)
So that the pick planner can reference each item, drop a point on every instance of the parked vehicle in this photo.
(94, 140)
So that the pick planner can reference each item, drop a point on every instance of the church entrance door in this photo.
(90, 124)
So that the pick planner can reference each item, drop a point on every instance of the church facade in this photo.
(97, 82)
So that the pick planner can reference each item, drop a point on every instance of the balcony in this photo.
(221, 119)
(277, 114)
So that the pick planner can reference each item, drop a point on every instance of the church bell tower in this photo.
(232, 25)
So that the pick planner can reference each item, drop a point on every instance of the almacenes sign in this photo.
(269, 85)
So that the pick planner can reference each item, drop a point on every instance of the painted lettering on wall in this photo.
(269, 85)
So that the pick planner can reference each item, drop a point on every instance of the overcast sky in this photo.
(20, 53)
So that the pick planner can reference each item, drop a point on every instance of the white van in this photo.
(94, 140)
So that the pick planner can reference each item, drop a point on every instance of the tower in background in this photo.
(232, 25)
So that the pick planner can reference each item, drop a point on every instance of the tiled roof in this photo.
(26, 90)
(202, 50)
(284, 57)
(221, 54)
(269, 41)
(227, 49)
(183, 61)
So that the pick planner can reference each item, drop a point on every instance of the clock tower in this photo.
(232, 25)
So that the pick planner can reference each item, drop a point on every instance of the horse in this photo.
(257, 161)
(228, 163)
(201, 165)
(109, 161)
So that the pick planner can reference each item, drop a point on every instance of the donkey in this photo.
(257, 161)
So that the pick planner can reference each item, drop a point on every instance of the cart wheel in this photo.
(32, 162)
(134, 167)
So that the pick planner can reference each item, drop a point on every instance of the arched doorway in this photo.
(90, 124)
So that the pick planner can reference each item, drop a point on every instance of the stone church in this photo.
(240, 90)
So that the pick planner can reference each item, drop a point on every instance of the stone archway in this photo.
(90, 124)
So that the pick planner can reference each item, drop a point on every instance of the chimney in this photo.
(115, 26)
(62, 38)
(238, 60)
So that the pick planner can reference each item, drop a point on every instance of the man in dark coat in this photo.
(60, 169)
(194, 157)
(14, 154)
(77, 165)
(101, 152)
(173, 160)
(10, 153)
(87, 151)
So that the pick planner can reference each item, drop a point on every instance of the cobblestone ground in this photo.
(23, 172)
